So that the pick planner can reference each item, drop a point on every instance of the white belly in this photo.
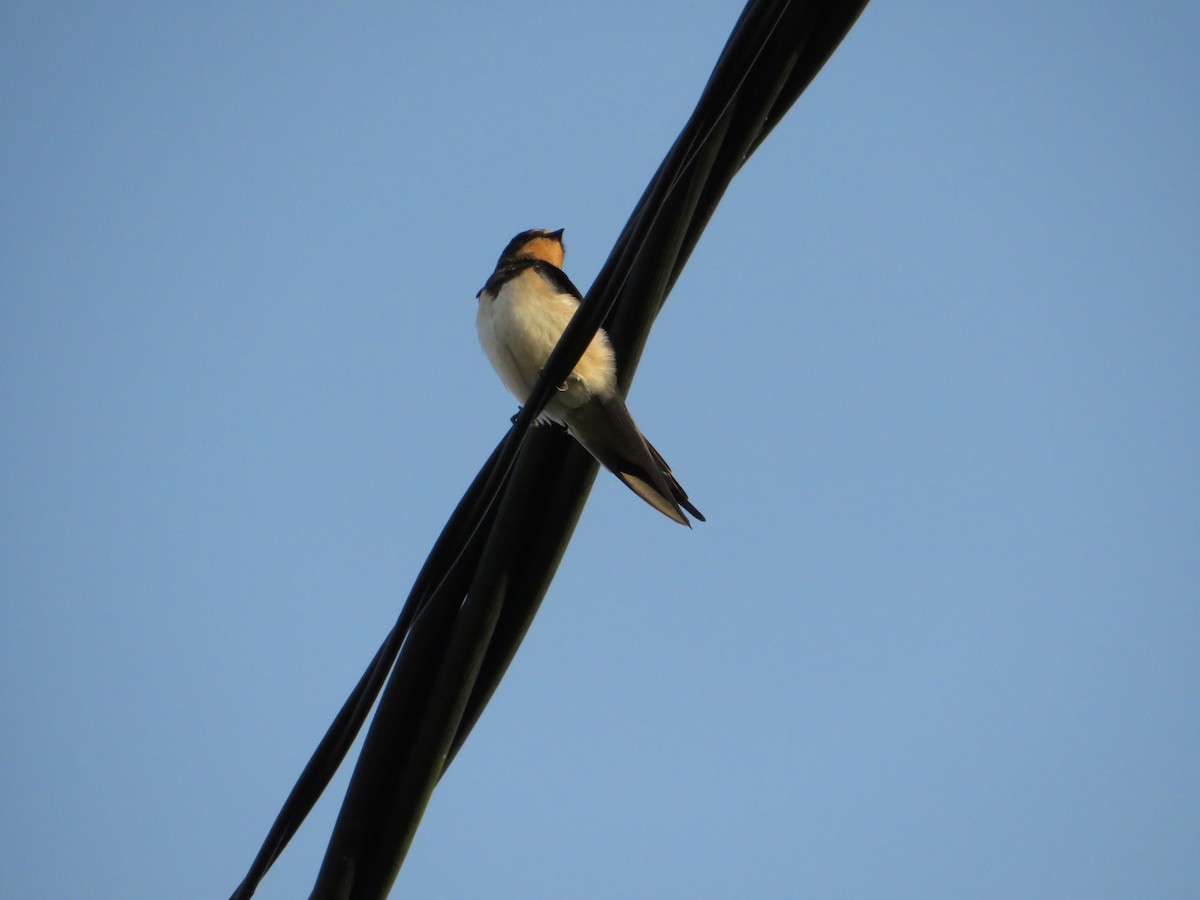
(520, 327)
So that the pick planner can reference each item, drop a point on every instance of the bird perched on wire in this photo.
(523, 310)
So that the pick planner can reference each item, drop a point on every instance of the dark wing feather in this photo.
(608, 432)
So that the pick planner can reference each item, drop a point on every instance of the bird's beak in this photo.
(557, 235)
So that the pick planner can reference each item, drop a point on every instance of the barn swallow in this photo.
(523, 310)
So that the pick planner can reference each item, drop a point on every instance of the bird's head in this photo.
(537, 243)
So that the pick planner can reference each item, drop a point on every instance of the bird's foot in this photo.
(562, 387)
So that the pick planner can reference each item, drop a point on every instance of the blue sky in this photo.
(932, 375)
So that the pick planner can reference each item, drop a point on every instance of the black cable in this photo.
(480, 587)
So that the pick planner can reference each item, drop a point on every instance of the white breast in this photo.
(518, 329)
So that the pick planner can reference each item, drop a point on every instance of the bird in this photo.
(523, 309)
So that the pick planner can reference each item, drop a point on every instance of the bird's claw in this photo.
(562, 387)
